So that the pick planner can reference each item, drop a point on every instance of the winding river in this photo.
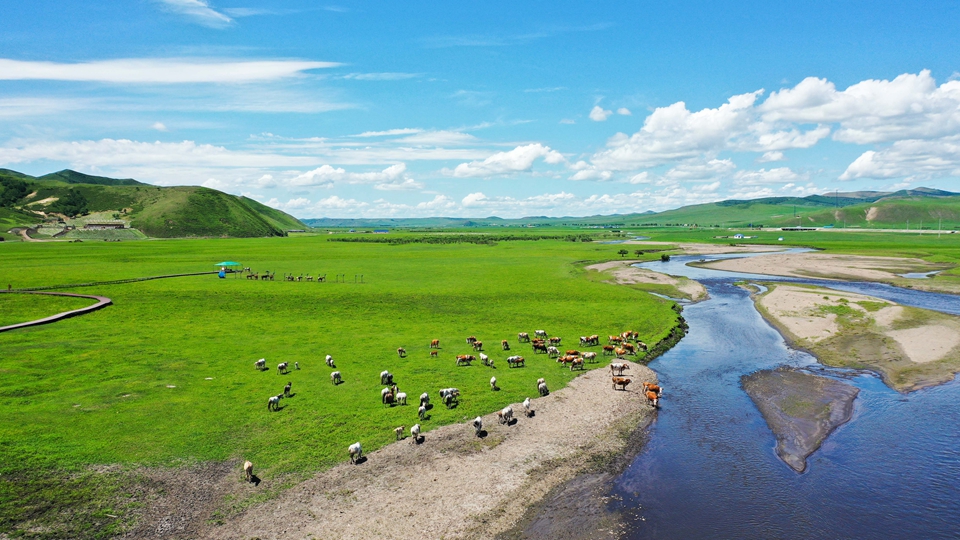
(709, 468)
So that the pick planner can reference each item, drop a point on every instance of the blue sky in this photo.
(415, 109)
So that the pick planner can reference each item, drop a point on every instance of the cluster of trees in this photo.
(488, 239)
(72, 204)
(11, 191)
(638, 252)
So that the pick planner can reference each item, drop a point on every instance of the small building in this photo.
(380, 231)
(738, 236)
(104, 225)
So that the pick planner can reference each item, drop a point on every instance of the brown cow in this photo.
(435, 344)
(505, 344)
(478, 345)
(523, 336)
(433, 354)
(401, 352)
(650, 387)
(608, 349)
(554, 341)
(620, 351)
(653, 398)
(471, 340)
(622, 382)
(465, 359)
(630, 348)
(567, 359)
(576, 364)
(573, 352)
(615, 339)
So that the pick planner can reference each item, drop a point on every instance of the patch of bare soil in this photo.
(625, 274)
(452, 483)
(845, 267)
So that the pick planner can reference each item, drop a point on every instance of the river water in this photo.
(709, 468)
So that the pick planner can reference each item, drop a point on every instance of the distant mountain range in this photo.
(869, 209)
(159, 212)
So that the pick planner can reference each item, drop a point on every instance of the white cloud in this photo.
(916, 158)
(780, 175)
(158, 70)
(439, 138)
(567, 121)
(390, 132)
(699, 170)
(393, 177)
(599, 114)
(159, 126)
(623, 111)
(768, 157)
(198, 11)
(519, 159)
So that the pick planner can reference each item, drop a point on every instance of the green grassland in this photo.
(165, 376)
(18, 308)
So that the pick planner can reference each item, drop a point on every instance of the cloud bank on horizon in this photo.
(475, 119)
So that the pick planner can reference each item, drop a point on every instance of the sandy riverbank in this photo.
(843, 267)
(624, 274)
(690, 248)
(454, 484)
(911, 348)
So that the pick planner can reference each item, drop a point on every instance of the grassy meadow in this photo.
(166, 376)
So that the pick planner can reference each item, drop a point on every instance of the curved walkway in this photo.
(102, 302)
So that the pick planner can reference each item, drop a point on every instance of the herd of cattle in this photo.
(391, 395)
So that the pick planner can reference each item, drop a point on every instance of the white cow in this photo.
(485, 359)
(424, 399)
(330, 361)
(248, 470)
(273, 404)
(282, 368)
(506, 415)
(526, 407)
(493, 383)
(415, 433)
(335, 377)
(477, 425)
(386, 377)
(541, 333)
(422, 412)
(542, 388)
(356, 452)
(261, 364)
(553, 352)
(401, 398)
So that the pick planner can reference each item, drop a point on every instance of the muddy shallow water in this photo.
(710, 470)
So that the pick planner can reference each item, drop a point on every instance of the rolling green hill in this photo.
(159, 212)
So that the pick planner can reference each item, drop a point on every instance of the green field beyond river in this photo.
(166, 376)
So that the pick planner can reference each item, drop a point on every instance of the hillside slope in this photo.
(159, 212)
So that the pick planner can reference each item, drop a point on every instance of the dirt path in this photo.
(101, 302)
(454, 484)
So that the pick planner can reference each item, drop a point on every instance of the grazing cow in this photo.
(484, 359)
(541, 334)
(505, 344)
(526, 407)
(309, 277)
(591, 356)
(387, 396)
(422, 412)
(542, 388)
(622, 382)
(493, 384)
(471, 340)
(573, 352)
(261, 364)
(399, 431)
(282, 368)
(568, 359)
(435, 344)
(424, 399)
(650, 387)
(630, 348)
(434, 354)
(449, 400)
(590, 340)
(478, 345)
(554, 341)
(248, 470)
(356, 452)
(621, 352)
(523, 337)
(539, 348)
(273, 404)
(296, 366)
(642, 346)
(615, 339)
(335, 377)
(401, 398)
(330, 361)
(386, 377)
(465, 359)
(505, 415)
(540, 381)
(617, 368)
(608, 350)
(286, 389)
(449, 392)
(576, 364)
(477, 425)
(653, 399)
(415, 433)
(401, 352)
(553, 352)
(515, 361)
